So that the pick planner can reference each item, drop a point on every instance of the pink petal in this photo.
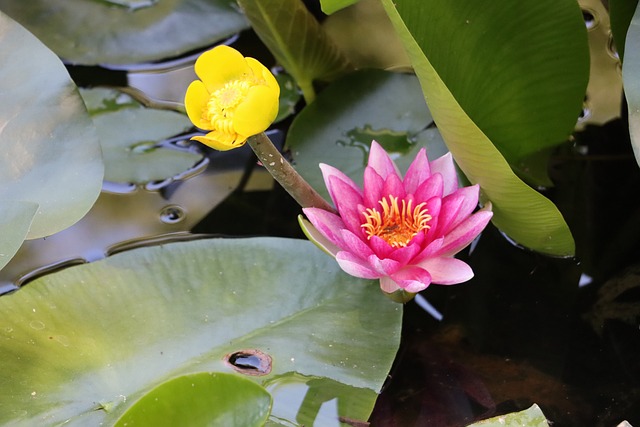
(444, 166)
(418, 172)
(447, 271)
(354, 266)
(317, 238)
(328, 172)
(393, 186)
(412, 279)
(388, 285)
(352, 243)
(373, 185)
(327, 223)
(380, 247)
(385, 267)
(456, 208)
(380, 161)
(405, 255)
(464, 233)
(432, 187)
(347, 201)
(431, 250)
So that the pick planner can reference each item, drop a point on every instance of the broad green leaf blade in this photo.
(521, 212)
(518, 70)
(296, 40)
(621, 13)
(338, 127)
(332, 6)
(202, 399)
(131, 138)
(532, 417)
(49, 151)
(99, 32)
(85, 343)
(631, 80)
(16, 219)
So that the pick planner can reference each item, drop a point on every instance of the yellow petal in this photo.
(258, 110)
(195, 101)
(263, 72)
(219, 65)
(219, 141)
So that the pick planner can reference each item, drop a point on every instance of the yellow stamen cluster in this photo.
(221, 107)
(396, 225)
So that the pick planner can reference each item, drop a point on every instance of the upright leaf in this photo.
(296, 40)
(521, 212)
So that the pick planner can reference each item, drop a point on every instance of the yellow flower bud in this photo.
(235, 98)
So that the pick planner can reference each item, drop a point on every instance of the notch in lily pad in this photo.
(249, 362)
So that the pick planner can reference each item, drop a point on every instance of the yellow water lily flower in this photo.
(235, 98)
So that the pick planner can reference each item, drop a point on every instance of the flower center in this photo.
(398, 223)
(222, 105)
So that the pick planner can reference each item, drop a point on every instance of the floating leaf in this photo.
(131, 138)
(521, 212)
(337, 128)
(99, 32)
(188, 400)
(296, 40)
(50, 156)
(82, 345)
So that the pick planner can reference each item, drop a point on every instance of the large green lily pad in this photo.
(49, 151)
(125, 32)
(80, 346)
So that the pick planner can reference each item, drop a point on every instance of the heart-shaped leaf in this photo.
(82, 345)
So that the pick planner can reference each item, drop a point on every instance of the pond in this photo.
(182, 273)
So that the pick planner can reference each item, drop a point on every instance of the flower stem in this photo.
(285, 174)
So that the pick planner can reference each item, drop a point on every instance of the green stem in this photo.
(285, 174)
(308, 92)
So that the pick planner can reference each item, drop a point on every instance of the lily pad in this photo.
(50, 154)
(631, 79)
(131, 137)
(337, 128)
(126, 32)
(202, 399)
(17, 215)
(82, 345)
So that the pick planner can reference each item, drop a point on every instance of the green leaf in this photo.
(296, 40)
(532, 417)
(338, 127)
(621, 13)
(99, 32)
(131, 137)
(82, 345)
(519, 211)
(16, 219)
(188, 400)
(50, 154)
(332, 6)
(631, 79)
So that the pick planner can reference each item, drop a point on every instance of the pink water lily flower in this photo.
(403, 231)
